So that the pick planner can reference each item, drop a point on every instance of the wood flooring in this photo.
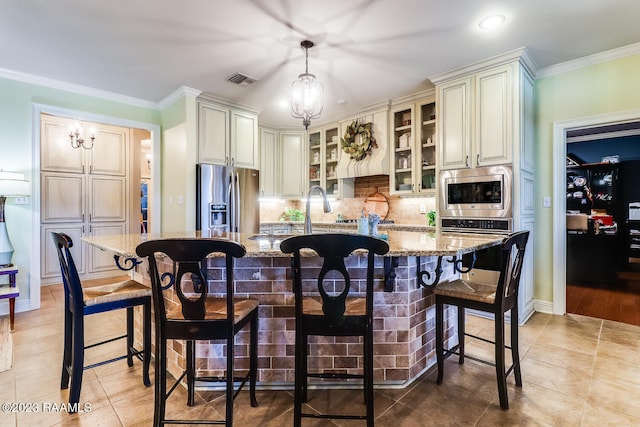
(619, 301)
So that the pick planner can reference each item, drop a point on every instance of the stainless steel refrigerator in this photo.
(227, 199)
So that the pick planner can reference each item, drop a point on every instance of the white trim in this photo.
(34, 273)
(177, 94)
(586, 61)
(559, 256)
(75, 88)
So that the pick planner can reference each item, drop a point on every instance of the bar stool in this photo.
(325, 310)
(80, 302)
(494, 299)
(184, 310)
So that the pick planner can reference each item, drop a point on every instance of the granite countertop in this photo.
(351, 226)
(401, 243)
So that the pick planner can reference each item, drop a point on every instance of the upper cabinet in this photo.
(323, 154)
(413, 147)
(482, 117)
(282, 171)
(107, 157)
(227, 135)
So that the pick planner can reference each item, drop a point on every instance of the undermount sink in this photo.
(264, 236)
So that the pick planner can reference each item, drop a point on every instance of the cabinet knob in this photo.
(466, 161)
(478, 160)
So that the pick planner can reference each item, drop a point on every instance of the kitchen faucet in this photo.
(325, 204)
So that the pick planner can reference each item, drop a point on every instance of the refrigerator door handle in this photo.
(231, 207)
(238, 206)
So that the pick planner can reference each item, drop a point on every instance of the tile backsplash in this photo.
(402, 210)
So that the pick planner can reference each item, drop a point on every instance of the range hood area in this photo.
(376, 163)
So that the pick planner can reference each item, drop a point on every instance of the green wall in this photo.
(608, 87)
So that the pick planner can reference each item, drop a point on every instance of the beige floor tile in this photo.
(614, 396)
(567, 380)
(561, 357)
(533, 405)
(601, 415)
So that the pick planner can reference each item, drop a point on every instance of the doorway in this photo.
(560, 131)
(603, 273)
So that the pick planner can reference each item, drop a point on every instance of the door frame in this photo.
(37, 110)
(560, 129)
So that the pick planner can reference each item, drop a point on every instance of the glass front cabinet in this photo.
(324, 154)
(413, 159)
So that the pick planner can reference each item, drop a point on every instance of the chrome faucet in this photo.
(325, 204)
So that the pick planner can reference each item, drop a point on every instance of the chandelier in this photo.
(77, 139)
(306, 93)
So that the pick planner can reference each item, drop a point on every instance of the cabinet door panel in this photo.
(62, 198)
(108, 155)
(292, 155)
(213, 132)
(103, 260)
(108, 199)
(268, 163)
(49, 265)
(244, 139)
(493, 111)
(56, 152)
(455, 129)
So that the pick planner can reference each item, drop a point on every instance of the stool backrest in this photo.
(512, 248)
(333, 249)
(70, 278)
(185, 273)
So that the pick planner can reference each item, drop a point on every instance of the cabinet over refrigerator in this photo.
(227, 199)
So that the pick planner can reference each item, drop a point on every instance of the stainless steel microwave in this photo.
(483, 192)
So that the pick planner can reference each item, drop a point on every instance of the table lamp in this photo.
(11, 185)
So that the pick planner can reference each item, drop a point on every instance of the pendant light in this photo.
(306, 93)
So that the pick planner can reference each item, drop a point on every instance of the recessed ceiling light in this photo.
(491, 22)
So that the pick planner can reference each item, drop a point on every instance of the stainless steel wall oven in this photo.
(476, 199)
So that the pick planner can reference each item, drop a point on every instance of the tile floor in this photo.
(577, 371)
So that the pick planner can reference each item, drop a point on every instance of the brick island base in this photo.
(404, 323)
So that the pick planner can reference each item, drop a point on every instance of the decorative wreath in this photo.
(358, 150)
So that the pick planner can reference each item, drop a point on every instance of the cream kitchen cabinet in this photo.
(81, 204)
(281, 163)
(227, 135)
(324, 153)
(82, 191)
(107, 157)
(479, 117)
(413, 147)
(269, 151)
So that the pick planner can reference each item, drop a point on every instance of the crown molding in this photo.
(586, 61)
(75, 88)
(521, 55)
(177, 94)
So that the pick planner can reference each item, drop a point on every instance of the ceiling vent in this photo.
(241, 79)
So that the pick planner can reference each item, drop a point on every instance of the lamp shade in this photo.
(13, 184)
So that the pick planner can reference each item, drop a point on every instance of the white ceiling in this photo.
(366, 50)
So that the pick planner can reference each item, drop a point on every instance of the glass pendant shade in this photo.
(306, 93)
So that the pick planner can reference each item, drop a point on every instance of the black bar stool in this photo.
(184, 310)
(325, 310)
(495, 299)
(80, 302)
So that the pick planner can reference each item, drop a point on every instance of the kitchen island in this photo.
(404, 319)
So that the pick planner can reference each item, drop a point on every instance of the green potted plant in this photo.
(431, 218)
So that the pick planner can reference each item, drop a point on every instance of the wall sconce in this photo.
(11, 185)
(77, 139)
